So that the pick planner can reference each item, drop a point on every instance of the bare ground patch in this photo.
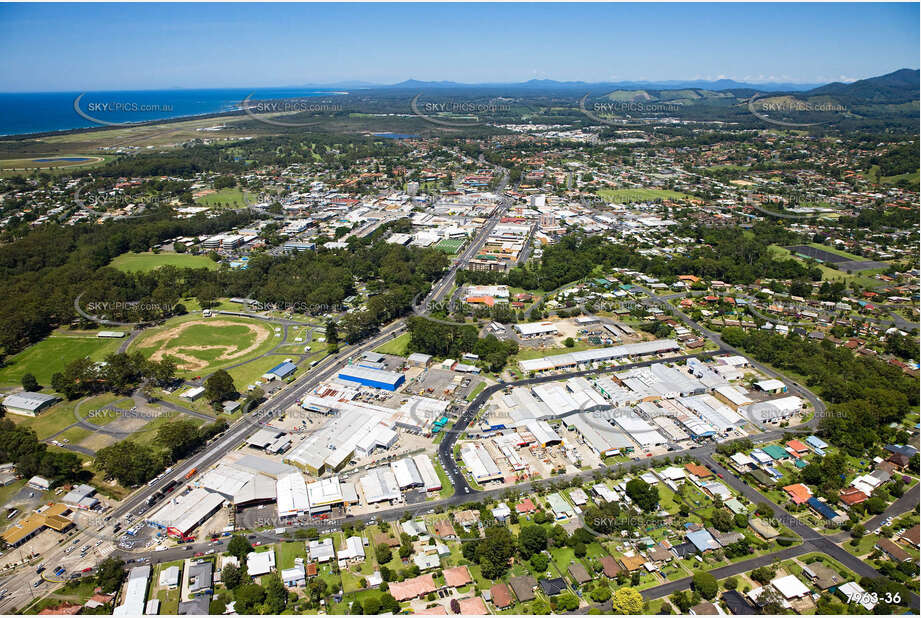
(192, 363)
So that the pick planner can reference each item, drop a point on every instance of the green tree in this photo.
(232, 576)
(239, 547)
(276, 595)
(540, 562)
(371, 606)
(332, 333)
(532, 539)
(495, 551)
(29, 383)
(382, 553)
(249, 597)
(645, 496)
(704, 584)
(626, 601)
(110, 574)
(722, 520)
(219, 387)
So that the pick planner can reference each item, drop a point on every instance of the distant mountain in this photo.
(550, 84)
(342, 85)
(900, 86)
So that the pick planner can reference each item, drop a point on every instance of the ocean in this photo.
(40, 112)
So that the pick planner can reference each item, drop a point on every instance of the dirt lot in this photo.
(191, 363)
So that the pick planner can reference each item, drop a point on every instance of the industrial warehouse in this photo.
(599, 355)
(244, 481)
(645, 410)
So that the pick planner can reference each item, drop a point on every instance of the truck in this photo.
(191, 473)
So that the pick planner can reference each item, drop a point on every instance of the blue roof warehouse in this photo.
(377, 378)
(280, 371)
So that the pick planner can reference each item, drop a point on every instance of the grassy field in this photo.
(204, 345)
(396, 346)
(287, 552)
(624, 196)
(531, 353)
(233, 197)
(130, 262)
(450, 245)
(9, 167)
(53, 354)
(247, 374)
(874, 176)
(865, 278)
(836, 251)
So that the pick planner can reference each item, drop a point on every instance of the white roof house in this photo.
(672, 473)
(773, 409)
(325, 492)
(770, 385)
(182, 514)
(28, 403)
(598, 434)
(853, 590)
(642, 432)
(599, 355)
(260, 563)
(733, 395)
(742, 460)
(353, 550)
(543, 432)
(169, 577)
(605, 493)
(790, 587)
(321, 550)
(135, 596)
(295, 576)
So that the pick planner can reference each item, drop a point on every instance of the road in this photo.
(132, 508)
(20, 583)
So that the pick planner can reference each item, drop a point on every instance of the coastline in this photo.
(236, 110)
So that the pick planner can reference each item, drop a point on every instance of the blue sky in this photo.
(77, 47)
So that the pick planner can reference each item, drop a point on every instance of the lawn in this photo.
(531, 353)
(247, 374)
(130, 262)
(148, 433)
(447, 489)
(864, 547)
(864, 277)
(287, 552)
(232, 197)
(623, 196)
(53, 354)
(476, 391)
(61, 415)
(836, 251)
(396, 346)
(78, 591)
